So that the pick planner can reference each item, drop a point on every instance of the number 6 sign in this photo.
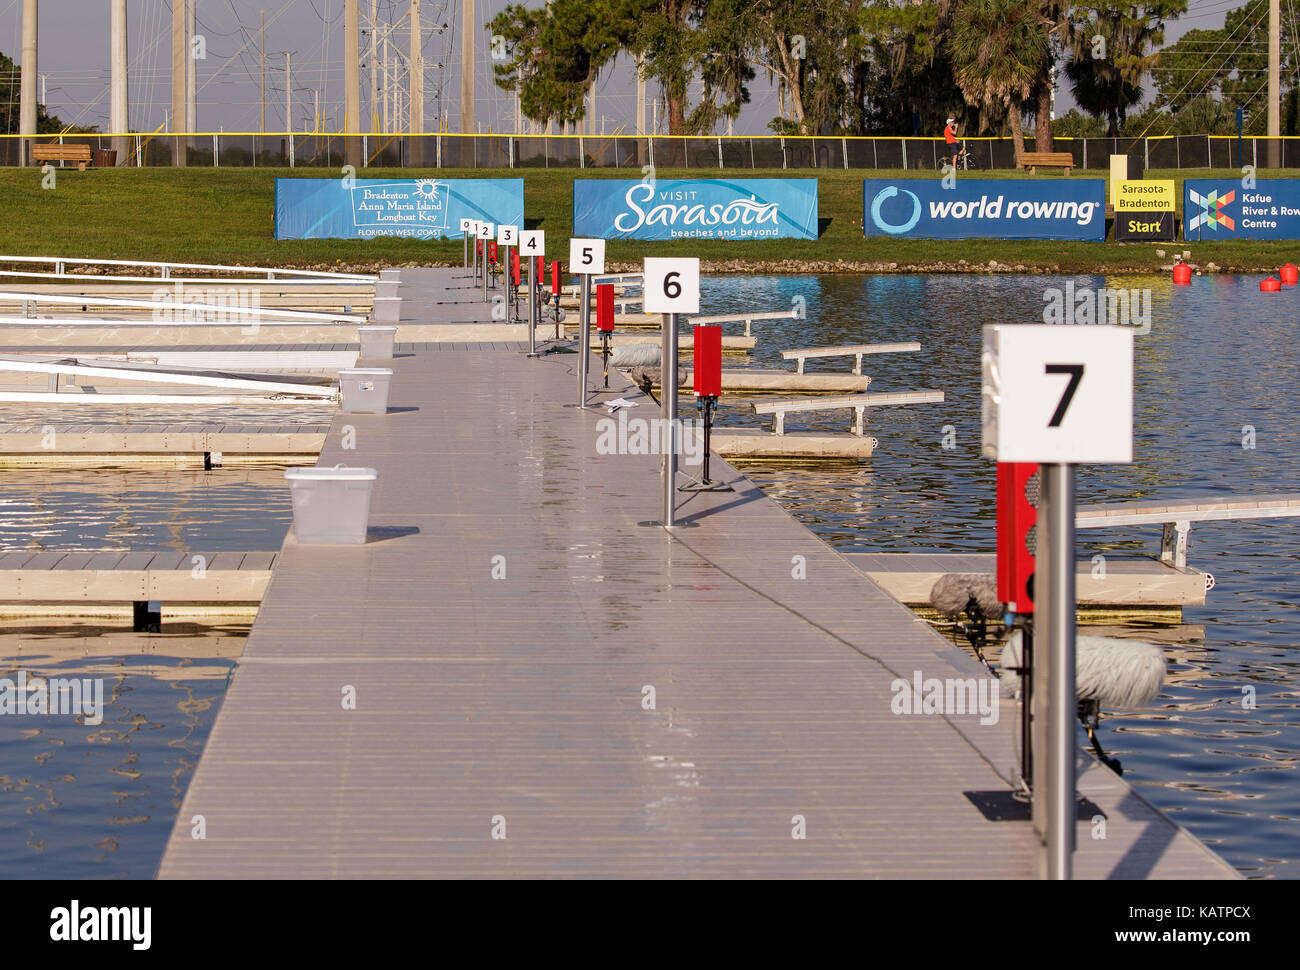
(1058, 394)
(671, 285)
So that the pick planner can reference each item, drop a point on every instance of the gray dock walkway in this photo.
(517, 706)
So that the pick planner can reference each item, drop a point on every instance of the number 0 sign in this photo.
(1058, 394)
(587, 255)
(672, 285)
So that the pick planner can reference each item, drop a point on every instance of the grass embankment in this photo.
(226, 215)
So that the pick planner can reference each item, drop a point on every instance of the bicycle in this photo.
(965, 160)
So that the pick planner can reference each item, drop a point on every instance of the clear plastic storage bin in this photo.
(331, 505)
(365, 389)
(377, 342)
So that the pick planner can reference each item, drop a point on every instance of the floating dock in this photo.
(545, 685)
(1121, 586)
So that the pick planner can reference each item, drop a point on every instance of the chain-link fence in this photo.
(333, 151)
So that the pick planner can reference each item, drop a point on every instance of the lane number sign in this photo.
(507, 235)
(532, 242)
(587, 255)
(1058, 394)
(485, 230)
(467, 225)
(672, 285)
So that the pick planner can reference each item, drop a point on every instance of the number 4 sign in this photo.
(671, 285)
(1058, 394)
(532, 242)
(587, 255)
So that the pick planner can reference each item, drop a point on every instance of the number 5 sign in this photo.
(587, 255)
(1058, 394)
(671, 285)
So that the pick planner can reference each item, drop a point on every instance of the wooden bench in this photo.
(1177, 516)
(54, 152)
(855, 351)
(856, 402)
(1032, 160)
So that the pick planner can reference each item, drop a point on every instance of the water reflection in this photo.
(226, 509)
(81, 800)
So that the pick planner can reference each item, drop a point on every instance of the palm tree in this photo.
(996, 49)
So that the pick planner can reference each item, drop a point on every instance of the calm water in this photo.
(77, 800)
(80, 800)
(1219, 356)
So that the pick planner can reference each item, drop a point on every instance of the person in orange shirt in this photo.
(950, 136)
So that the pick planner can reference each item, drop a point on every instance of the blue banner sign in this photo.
(1224, 209)
(985, 208)
(695, 209)
(415, 208)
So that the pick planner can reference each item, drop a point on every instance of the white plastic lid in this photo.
(367, 371)
(338, 474)
(373, 328)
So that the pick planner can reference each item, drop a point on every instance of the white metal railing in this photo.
(747, 318)
(269, 272)
(280, 390)
(185, 310)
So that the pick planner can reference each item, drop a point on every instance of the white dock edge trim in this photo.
(165, 268)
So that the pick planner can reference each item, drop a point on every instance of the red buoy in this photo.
(1289, 274)
(1182, 274)
(1270, 285)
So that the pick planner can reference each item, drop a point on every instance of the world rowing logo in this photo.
(1211, 215)
(894, 229)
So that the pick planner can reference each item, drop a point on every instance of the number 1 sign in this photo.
(1058, 394)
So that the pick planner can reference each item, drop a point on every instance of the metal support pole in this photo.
(1055, 629)
(532, 306)
(465, 264)
(584, 337)
(668, 371)
(486, 274)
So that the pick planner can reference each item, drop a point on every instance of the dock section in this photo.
(545, 686)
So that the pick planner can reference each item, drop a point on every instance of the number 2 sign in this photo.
(671, 285)
(1058, 394)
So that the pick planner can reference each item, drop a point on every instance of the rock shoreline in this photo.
(785, 267)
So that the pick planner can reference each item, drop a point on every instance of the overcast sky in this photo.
(73, 60)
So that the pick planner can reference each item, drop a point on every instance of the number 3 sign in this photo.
(1058, 394)
(671, 286)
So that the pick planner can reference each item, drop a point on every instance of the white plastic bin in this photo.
(331, 505)
(388, 309)
(386, 288)
(377, 342)
(365, 389)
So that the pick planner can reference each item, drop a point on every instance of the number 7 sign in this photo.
(1058, 394)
